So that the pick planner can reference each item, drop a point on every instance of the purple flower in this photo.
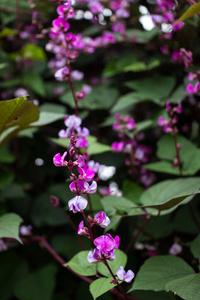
(95, 7)
(125, 276)
(81, 142)
(62, 74)
(82, 187)
(175, 249)
(161, 121)
(96, 256)
(21, 92)
(86, 173)
(59, 161)
(73, 122)
(101, 219)
(59, 24)
(83, 230)
(25, 230)
(118, 146)
(106, 243)
(77, 75)
(77, 204)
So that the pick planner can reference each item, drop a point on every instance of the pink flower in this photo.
(161, 121)
(101, 219)
(175, 249)
(106, 243)
(83, 230)
(82, 187)
(77, 204)
(118, 146)
(73, 122)
(59, 161)
(125, 276)
(59, 24)
(96, 256)
(86, 174)
(62, 74)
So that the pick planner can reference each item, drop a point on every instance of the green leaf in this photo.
(114, 204)
(16, 114)
(187, 287)
(6, 178)
(80, 264)
(43, 213)
(101, 286)
(35, 82)
(150, 295)
(37, 285)
(5, 155)
(48, 116)
(169, 193)
(157, 271)
(132, 191)
(95, 147)
(155, 88)
(127, 101)
(142, 36)
(191, 11)
(195, 247)
(189, 156)
(120, 260)
(33, 52)
(136, 67)
(60, 142)
(12, 4)
(7, 32)
(9, 226)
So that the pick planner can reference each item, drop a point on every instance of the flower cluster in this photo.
(73, 129)
(105, 246)
(164, 17)
(170, 124)
(135, 153)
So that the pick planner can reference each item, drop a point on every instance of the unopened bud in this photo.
(54, 201)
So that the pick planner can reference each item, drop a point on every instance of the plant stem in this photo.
(88, 225)
(177, 153)
(137, 234)
(48, 247)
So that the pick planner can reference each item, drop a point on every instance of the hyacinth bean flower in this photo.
(100, 219)
(59, 161)
(106, 243)
(125, 276)
(82, 187)
(83, 230)
(73, 122)
(86, 173)
(77, 204)
(96, 256)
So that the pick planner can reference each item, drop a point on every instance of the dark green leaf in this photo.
(187, 288)
(37, 285)
(195, 247)
(168, 194)
(157, 271)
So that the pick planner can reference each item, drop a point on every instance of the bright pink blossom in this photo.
(59, 161)
(105, 243)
